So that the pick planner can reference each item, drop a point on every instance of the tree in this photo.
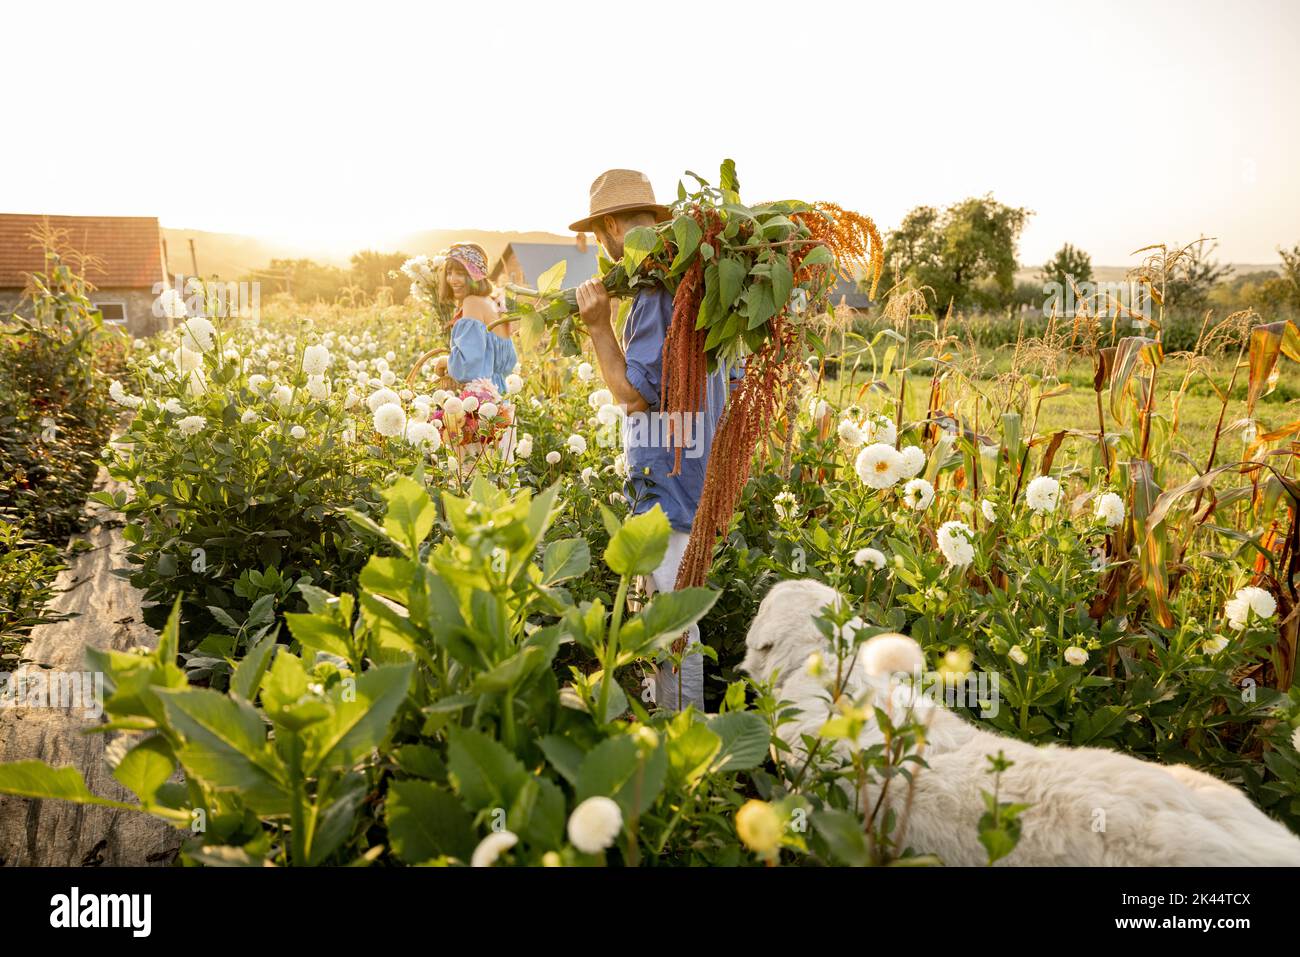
(370, 271)
(1067, 266)
(966, 253)
(304, 279)
(1289, 281)
(1194, 275)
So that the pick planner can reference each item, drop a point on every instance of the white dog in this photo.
(1089, 806)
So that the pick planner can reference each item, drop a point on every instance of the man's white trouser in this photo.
(675, 690)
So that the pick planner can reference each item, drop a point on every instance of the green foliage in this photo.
(1195, 274)
(1068, 266)
(759, 258)
(27, 571)
(999, 826)
(54, 415)
(954, 250)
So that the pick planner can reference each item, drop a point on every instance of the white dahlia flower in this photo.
(880, 428)
(918, 494)
(198, 334)
(186, 360)
(1043, 493)
(913, 461)
(1110, 509)
(869, 556)
(318, 388)
(955, 543)
(316, 360)
(424, 433)
(891, 654)
(1249, 600)
(785, 505)
(595, 824)
(879, 466)
(122, 397)
(492, 847)
(390, 419)
(851, 433)
(383, 397)
(172, 304)
(1212, 646)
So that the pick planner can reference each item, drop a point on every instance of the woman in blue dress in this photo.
(479, 350)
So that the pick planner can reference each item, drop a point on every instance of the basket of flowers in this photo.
(472, 417)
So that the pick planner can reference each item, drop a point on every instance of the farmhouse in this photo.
(121, 257)
(522, 263)
(848, 293)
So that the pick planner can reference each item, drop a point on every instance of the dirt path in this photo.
(45, 833)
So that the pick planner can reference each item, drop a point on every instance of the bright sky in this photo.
(340, 125)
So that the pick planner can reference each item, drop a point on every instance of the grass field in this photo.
(1076, 407)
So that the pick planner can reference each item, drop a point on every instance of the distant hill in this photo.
(493, 241)
(229, 255)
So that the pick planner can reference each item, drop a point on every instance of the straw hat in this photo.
(617, 191)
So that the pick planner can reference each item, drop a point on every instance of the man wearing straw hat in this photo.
(621, 200)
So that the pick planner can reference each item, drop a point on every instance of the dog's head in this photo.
(783, 633)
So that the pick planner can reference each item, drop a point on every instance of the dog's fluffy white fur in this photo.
(1089, 806)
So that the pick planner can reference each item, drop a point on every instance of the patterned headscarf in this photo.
(471, 258)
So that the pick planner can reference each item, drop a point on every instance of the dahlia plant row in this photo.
(404, 621)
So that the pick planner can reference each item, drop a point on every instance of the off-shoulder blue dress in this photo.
(478, 353)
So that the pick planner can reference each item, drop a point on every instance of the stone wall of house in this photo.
(140, 320)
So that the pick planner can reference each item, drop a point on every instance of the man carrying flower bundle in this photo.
(622, 200)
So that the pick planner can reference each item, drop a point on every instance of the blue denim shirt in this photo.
(477, 353)
(645, 435)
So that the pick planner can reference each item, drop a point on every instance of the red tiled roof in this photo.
(127, 247)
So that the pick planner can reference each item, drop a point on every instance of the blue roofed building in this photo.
(848, 292)
(523, 263)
